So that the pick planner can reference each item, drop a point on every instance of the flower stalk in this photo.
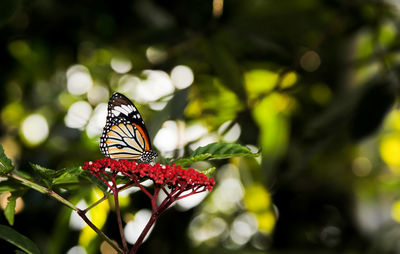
(81, 213)
(177, 179)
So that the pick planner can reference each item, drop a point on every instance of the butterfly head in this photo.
(148, 156)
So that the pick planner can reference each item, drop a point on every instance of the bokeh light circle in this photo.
(310, 61)
(78, 115)
(121, 64)
(79, 80)
(35, 129)
(182, 76)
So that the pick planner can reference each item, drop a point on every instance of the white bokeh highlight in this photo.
(97, 121)
(190, 201)
(182, 76)
(205, 140)
(166, 139)
(194, 132)
(78, 115)
(156, 85)
(77, 250)
(134, 228)
(243, 228)
(230, 135)
(155, 55)
(121, 64)
(35, 129)
(75, 221)
(97, 94)
(79, 80)
(203, 228)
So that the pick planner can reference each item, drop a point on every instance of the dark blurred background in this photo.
(313, 84)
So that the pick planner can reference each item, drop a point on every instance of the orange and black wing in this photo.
(125, 135)
(124, 140)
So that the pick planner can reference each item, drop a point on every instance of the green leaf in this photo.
(223, 151)
(94, 180)
(6, 165)
(67, 176)
(208, 171)
(216, 151)
(11, 185)
(57, 177)
(45, 174)
(9, 212)
(14, 237)
(186, 161)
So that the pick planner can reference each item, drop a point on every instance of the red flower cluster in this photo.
(173, 175)
(181, 183)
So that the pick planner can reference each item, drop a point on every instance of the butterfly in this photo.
(125, 136)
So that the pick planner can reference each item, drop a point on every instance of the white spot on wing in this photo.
(127, 108)
(115, 112)
(121, 110)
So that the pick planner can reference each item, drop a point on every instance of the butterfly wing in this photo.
(120, 106)
(125, 136)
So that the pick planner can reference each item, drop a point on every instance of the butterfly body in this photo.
(125, 136)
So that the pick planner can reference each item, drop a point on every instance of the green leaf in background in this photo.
(209, 171)
(5, 163)
(186, 161)
(223, 151)
(94, 180)
(12, 236)
(57, 177)
(46, 175)
(67, 176)
(9, 211)
(11, 185)
(216, 151)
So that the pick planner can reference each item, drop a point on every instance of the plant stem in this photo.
(118, 213)
(134, 178)
(80, 212)
(157, 211)
(139, 241)
(96, 203)
(43, 190)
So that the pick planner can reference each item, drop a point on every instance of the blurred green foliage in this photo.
(313, 84)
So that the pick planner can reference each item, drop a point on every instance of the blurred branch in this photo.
(80, 212)
(118, 213)
(43, 190)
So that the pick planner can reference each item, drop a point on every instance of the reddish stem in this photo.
(139, 241)
(154, 216)
(102, 179)
(191, 193)
(124, 186)
(118, 213)
(134, 178)
(81, 213)
(154, 199)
